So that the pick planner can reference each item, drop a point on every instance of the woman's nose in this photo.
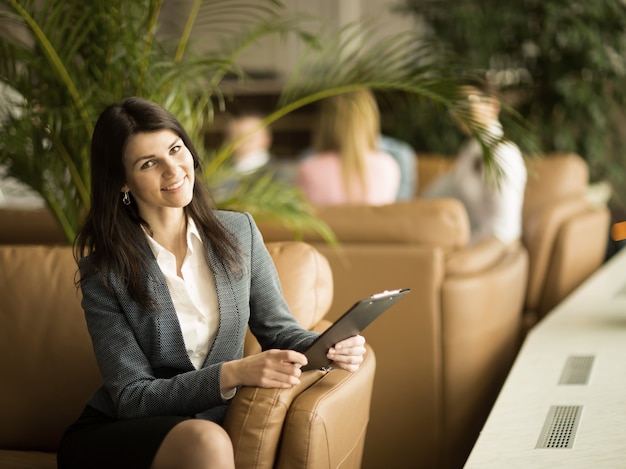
(169, 167)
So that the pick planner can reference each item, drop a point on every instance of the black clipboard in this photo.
(351, 323)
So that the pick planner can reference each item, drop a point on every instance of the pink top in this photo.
(320, 179)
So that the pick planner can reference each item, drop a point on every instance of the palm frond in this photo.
(268, 199)
(420, 71)
(51, 52)
(70, 59)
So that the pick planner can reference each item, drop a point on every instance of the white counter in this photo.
(587, 329)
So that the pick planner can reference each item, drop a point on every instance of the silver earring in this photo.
(126, 198)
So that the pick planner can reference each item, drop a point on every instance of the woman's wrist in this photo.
(228, 378)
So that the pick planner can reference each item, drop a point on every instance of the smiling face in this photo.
(159, 172)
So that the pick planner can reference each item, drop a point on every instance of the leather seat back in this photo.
(45, 350)
(557, 221)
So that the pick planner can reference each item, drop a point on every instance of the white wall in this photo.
(280, 55)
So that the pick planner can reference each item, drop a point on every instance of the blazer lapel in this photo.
(167, 318)
(229, 308)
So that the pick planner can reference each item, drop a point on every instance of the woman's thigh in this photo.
(195, 443)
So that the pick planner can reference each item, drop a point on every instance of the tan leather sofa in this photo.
(29, 226)
(49, 370)
(445, 349)
(564, 232)
(566, 235)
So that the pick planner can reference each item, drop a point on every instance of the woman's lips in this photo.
(175, 186)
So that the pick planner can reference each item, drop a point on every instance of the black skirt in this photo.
(97, 441)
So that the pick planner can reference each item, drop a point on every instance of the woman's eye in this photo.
(175, 149)
(147, 164)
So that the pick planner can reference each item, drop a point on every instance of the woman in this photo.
(347, 167)
(493, 204)
(169, 286)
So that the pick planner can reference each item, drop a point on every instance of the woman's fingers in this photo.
(274, 368)
(348, 354)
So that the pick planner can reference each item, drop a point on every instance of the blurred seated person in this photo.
(405, 156)
(252, 143)
(494, 196)
(346, 167)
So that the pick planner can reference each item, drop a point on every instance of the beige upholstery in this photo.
(444, 350)
(565, 235)
(45, 354)
(29, 226)
(49, 370)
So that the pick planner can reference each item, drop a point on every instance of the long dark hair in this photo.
(112, 234)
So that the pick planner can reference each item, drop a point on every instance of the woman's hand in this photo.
(269, 369)
(348, 354)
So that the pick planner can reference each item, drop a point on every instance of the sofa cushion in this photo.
(553, 177)
(27, 460)
(555, 195)
(44, 347)
(441, 222)
(306, 280)
(30, 226)
(307, 283)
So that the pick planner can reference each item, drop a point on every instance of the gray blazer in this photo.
(142, 355)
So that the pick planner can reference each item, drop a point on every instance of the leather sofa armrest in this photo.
(481, 324)
(324, 418)
(580, 249)
(540, 231)
(476, 257)
(327, 423)
(255, 420)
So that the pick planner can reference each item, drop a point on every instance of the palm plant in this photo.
(562, 63)
(70, 59)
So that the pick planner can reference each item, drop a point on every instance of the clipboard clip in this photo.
(385, 293)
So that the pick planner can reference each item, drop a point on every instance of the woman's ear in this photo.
(125, 188)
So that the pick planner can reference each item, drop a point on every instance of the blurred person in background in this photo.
(493, 197)
(346, 166)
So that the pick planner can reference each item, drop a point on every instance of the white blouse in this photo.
(194, 295)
